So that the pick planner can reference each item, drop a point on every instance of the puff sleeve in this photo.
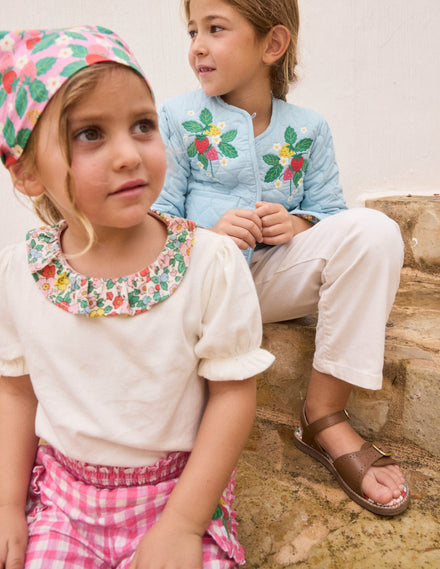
(229, 346)
(12, 362)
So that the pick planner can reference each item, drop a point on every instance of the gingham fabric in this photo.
(74, 524)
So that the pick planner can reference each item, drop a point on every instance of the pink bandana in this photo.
(34, 64)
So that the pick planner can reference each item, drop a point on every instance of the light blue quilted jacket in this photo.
(215, 163)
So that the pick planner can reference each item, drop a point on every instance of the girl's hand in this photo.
(279, 226)
(165, 547)
(13, 537)
(243, 225)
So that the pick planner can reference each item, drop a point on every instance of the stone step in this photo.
(419, 221)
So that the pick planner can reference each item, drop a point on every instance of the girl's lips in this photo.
(129, 188)
(202, 69)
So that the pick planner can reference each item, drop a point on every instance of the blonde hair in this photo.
(71, 93)
(263, 15)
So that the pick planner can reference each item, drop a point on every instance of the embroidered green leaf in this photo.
(273, 173)
(9, 132)
(218, 513)
(181, 267)
(228, 136)
(303, 145)
(108, 308)
(271, 159)
(21, 102)
(206, 117)
(43, 65)
(203, 161)
(23, 136)
(109, 284)
(297, 178)
(164, 286)
(193, 126)
(228, 150)
(3, 34)
(191, 150)
(38, 91)
(290, 135)
(78, 51)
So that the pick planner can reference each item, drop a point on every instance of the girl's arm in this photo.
(175, 542)
(18, 445)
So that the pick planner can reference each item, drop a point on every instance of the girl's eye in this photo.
(144, 127)
(89, 134)
(192, 34)
(215, 29)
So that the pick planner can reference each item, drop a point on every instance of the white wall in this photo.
(371, 67)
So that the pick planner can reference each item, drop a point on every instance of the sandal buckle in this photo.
(380, 451)
(347, 414)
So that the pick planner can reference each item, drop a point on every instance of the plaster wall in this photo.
(371, 67)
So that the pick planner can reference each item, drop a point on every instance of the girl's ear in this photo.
(25, 183)
(277, 41)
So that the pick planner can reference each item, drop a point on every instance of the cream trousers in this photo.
(346, 268)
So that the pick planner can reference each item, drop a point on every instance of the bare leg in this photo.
(327, 394)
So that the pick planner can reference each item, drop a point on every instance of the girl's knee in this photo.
(375, 230)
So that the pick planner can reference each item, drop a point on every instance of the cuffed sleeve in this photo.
(229, 347)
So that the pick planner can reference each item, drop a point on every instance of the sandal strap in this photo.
(310, 431)
(353, 466)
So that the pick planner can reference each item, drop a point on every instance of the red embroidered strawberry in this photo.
(296, 164)
(201, 144)
(212, 153)
(8, 79)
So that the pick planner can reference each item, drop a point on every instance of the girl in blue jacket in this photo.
(245, 163)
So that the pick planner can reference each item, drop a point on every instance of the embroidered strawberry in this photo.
(288, 174)
(201, 144)
(8, 79)
(296, 164)
(211, 154)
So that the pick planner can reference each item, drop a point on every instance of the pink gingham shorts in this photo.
(84, 516)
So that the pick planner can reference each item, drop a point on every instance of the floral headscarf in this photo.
(34, 64)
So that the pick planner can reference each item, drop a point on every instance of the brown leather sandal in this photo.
(350, 469)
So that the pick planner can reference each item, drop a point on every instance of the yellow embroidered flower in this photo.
(285, 151)
(62, 282)
(213, 130)
(96, 313)
(46, 286)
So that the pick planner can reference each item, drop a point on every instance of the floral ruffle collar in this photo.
(91, 296)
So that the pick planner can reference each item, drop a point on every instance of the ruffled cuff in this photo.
(236, 367)
(13, 368)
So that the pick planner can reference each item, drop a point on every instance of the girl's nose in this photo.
(126, 154)
(198, 46)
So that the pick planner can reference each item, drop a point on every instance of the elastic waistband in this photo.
(120, 476)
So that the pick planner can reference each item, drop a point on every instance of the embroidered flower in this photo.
(289, 163)
(210, 144)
